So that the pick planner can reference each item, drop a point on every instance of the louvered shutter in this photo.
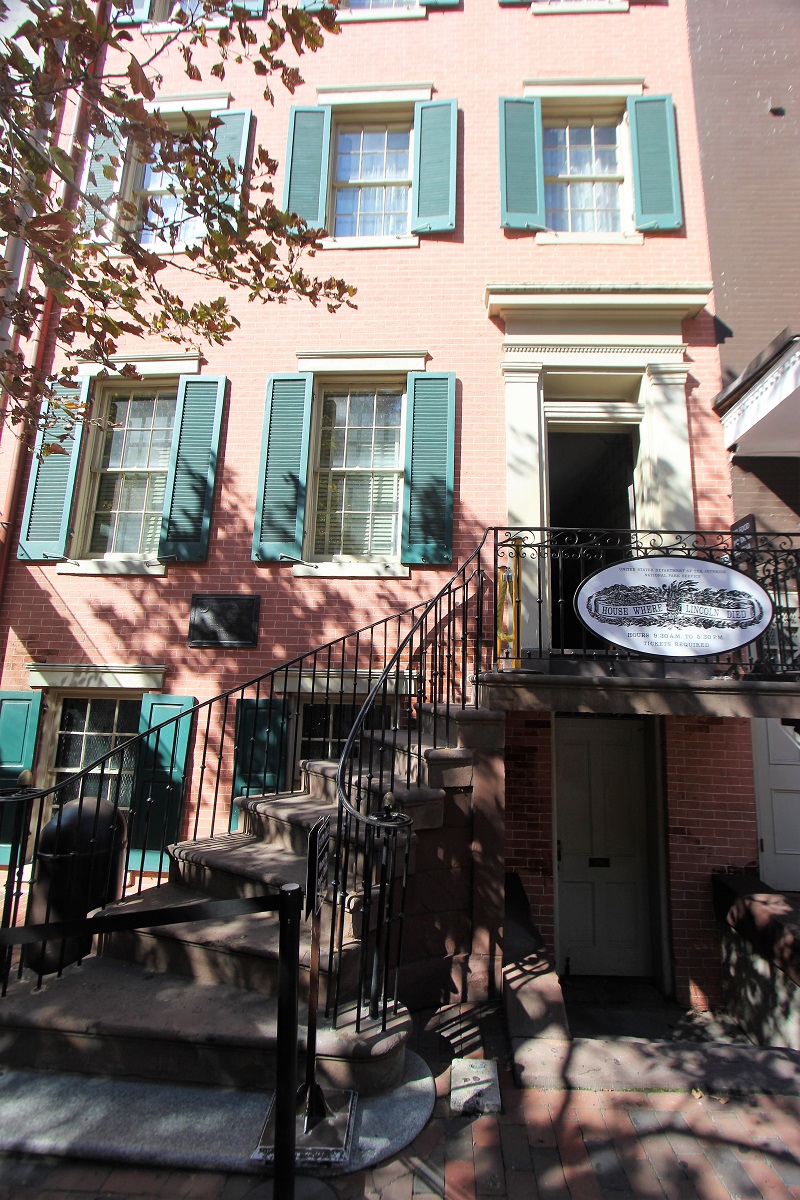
(231, 140)
(429, 468)
(281, 495)
(159, 773)
(306, 186)
(186, 520)
(48, 503)
(433, 191)
(107, 155)
(522, 202)
(19, 722)
(442, 3)
(654, 150)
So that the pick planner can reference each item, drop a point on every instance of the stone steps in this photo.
(121, 1019)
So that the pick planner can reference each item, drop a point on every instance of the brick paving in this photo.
(546, 1144)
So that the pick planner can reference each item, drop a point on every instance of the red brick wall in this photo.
(529, 812)
(711, 824)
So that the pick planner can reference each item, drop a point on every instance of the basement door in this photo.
(601, 826)
(776, 768)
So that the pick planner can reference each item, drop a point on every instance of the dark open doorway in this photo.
(590, 486)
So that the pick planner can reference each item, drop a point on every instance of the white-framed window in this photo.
(129, 471)
(584, 177)
(376, 5)
(373, 167)
(90, 726)
(358, 472)
(162, 218)
(371, 192)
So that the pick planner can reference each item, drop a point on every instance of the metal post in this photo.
(291, 899)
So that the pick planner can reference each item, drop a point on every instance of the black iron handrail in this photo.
(443, 652)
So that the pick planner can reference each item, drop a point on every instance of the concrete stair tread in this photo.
(246, 856)
(255, 934)
(302, 809)
(423, 746)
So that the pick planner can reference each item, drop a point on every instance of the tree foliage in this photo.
(96, 272)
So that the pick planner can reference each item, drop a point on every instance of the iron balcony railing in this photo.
(539, 571)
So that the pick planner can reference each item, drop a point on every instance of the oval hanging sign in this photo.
(673, 607)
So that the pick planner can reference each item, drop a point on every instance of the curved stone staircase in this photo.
(197, 1002)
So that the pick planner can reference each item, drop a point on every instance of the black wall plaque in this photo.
(219, 620)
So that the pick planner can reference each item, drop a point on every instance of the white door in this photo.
(603, 900)
(776, 766)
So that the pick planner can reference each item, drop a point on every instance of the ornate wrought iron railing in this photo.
(538, 572)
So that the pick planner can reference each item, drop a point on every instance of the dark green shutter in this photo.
(101, 187)
(520, 3)
(433, 192)
(442, 3)
(522, 203)
(259, 757)
(48, 503)
(654, 150)
(306, 187)
(19, 722)
(282, 473)
(186, 520)
(160, 769)
(429, 462)
(231, 140)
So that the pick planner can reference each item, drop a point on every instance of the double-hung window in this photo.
(146, 201)
(357, 473)
(142, 489)
(373, 167)
(585, 164)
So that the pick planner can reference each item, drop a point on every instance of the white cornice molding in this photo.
(95, 675)
(375, 94)
(676, 302)
(367, 362)
(156, 362)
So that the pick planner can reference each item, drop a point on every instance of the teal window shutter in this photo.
(522, 203)
(654, 150)
(189, 496)
(306, 186)
(259, 757)
(231, 140)
(429, 466)
(433, 191)
(160, 771)
(99, 185)
(48, 503)
(443, 3)
(519, 3)
(283, 471)
(19, 722)
(254, 7)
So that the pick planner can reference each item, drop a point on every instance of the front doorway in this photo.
(590, 486)
(608, 860)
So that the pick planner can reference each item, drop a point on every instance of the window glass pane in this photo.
(582, 206)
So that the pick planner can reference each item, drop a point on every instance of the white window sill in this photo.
(579, 6)
(352, 570)
(346, 17)
(121, 565)
(175, 27)
(369, 243)
(590, 239)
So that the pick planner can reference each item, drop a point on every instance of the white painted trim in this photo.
(352, 570)
(369, 243)
(199, 104)
(155, 363)
(552, 9)
(346, 17)
(583, 89)
(678, 302)
(370, 362)
(95, 675)
(113, 565)
(552, 238)
(375, 95)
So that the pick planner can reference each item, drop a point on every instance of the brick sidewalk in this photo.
(579, 1145)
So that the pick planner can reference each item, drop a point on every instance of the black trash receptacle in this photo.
(78, 866)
